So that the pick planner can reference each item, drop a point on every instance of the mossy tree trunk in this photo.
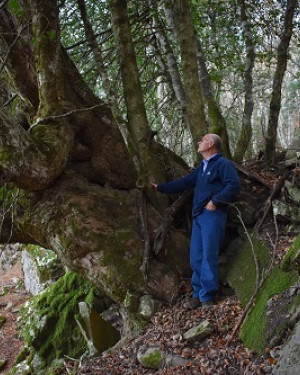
(71, 174)
(141, 143)
(191, 81)
(246, 133)
(282, 58)
(217, 123)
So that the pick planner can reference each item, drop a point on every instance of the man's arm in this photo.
(177, 186)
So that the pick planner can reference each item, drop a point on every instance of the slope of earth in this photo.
(12, 296)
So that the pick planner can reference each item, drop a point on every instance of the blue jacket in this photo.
(219, 183)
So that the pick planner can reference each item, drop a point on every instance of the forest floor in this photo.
(212, 355)
(12, 297)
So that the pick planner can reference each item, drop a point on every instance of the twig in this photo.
(163, 229)
(2, 5)
(268, 203)
(50, 118)
(143, 217)
(12, 45)
(9, 100)
(252, 176)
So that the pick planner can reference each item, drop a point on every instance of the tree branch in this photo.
(164, 228)
(268, 203)
(33, 161)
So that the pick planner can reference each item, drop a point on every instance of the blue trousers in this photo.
(208, 233)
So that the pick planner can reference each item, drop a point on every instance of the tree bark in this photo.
(191, 81)
(217, 123)
(246, 132)
(97, 53)
(16, 53)
(75, 182)
(275, 104)
(167, 52)
(141, 144)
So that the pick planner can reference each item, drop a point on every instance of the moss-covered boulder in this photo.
(48, 324)
(258, 329)
(242, 273)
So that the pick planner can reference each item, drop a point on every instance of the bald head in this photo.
(216, 140)
(209, 145)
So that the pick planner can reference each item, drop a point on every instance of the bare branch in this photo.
(51, 118)
(143, 217)
(4, 61)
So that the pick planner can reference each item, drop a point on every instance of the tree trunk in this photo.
(167, 52)
(97, 53)
(246, 133)
(275, 104)
(191, 81)
(70, 183)
(141, 147)
(217, 123)
(16, 54)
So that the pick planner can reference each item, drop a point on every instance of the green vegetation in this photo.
(153, 359)
(254, 331)
(244, 282)
(48, 321)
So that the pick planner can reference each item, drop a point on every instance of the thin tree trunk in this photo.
(139, 131)
(217, 123)
(191, 81)
(275, 104)
(246, 133)
(97, 53)
(173, 70)
(13, 44)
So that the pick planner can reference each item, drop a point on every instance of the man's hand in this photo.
(210, 206)
(154, 186)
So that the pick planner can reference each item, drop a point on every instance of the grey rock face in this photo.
(41, 268)
(289, 359)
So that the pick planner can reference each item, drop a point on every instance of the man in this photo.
(215, 182)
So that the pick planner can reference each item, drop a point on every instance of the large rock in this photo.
(199, 332)
(48, 325)
(258, 329)
(289, 359)
(41, 268)
(154, 358)
(99, 334)
(286, 212)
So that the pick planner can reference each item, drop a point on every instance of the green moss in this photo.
(242, 275)
(154, 359)
(48, 320)
(123, 272)
(254, 330)
(23, 354)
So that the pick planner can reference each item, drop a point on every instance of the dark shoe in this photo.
(192, 304)
(207, 305)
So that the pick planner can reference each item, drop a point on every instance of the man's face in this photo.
(205, 144)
